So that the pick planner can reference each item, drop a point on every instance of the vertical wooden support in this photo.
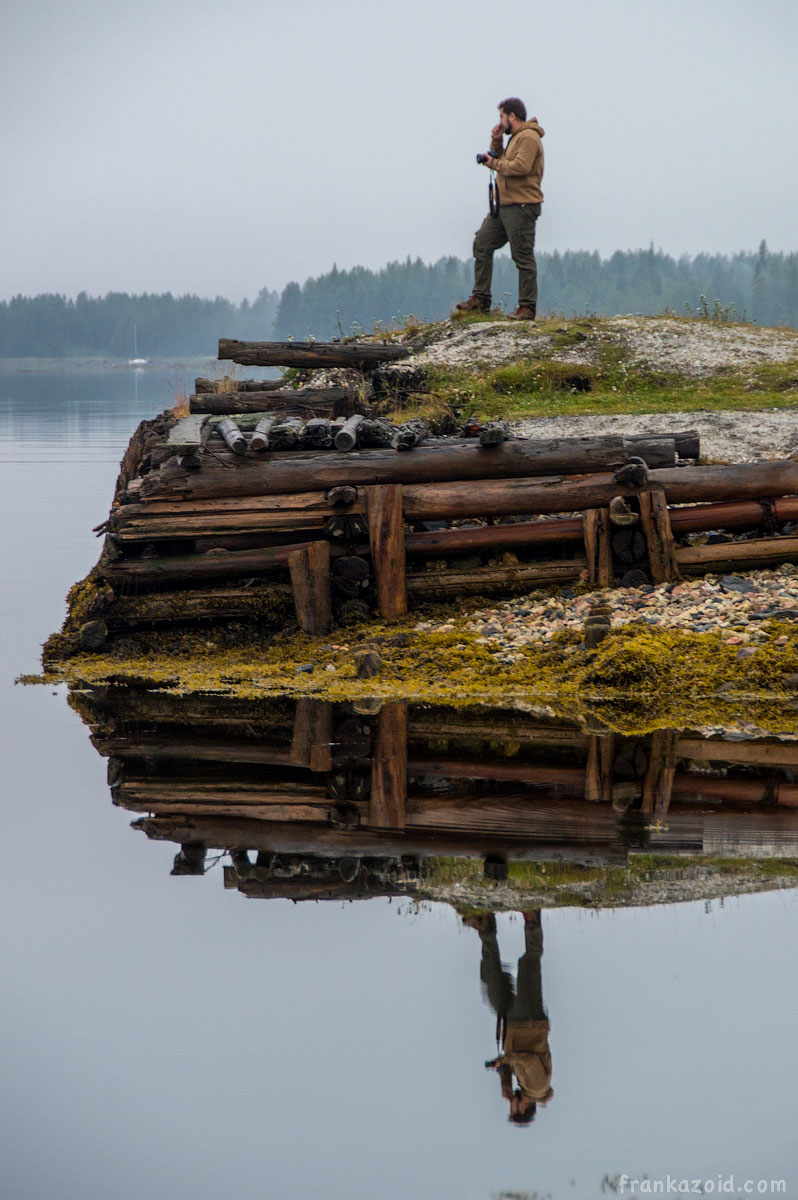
(389, 768)
(387, 539)
(656, 524)
(598, 773)
(310, 579)
(658, 783)
(596, 526)
(311, 742)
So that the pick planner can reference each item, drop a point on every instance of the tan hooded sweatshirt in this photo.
(519, 165)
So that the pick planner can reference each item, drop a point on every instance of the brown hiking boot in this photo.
(522, 313)
(473, 304)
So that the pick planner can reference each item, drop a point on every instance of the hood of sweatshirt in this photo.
(533, 125)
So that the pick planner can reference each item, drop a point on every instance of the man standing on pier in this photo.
(515, 207)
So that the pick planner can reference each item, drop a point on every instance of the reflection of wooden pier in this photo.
(269, 502)
(331, 801)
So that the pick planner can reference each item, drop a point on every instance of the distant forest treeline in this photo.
(758, 286)
(52, 326)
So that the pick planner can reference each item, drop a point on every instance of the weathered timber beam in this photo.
(228, 564)
(270, 604)
(211, 386)
(765, 754)
(327, 402)
(309, 354)
(598, 548)
(682, 485)
(310, 578)
(470, 539)
(387, 541)
(757, 552)
(656, 526)
(428, 584)
(445, 459)
(742, 514)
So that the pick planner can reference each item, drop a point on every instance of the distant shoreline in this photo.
(78, 363)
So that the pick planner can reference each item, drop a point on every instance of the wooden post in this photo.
(387, 538)
(389, 768)
(310, 578)
(312, 738)
(596, 526)
(656, 525)
(598, 773)
(658, 783)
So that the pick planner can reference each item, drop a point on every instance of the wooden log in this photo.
(389, 769)
(317, 434)
(598, 550)
(737, 556)
(346, 438)
(743, 514)
(656, 526)
(190, 433)
(185, 568)
(658, 783)
(688, 442)
(210, 387)
(312, 737)
(269, 604)
(255, 514)
(231, 435)
(310, 579)
(426, 585)
(598, 772)
(305, 402)
(445, 459)
(733, 790)
(682, 485)
(309, 354)
(386, 538)
(260, 437)
(472, 539)
(285, 434)
(410, 435)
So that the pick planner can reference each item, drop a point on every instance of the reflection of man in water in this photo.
(522, 1020)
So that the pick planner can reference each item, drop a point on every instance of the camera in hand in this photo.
(483, 158)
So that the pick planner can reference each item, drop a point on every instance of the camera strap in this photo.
(493, 198)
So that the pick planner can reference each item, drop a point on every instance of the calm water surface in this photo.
(166, 1037)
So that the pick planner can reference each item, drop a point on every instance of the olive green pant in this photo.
(515, 224)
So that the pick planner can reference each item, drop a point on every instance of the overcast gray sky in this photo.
(185, 145)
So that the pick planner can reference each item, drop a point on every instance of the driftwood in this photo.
(386, 537)
(310, 578)
(210, 387)
(309, 354)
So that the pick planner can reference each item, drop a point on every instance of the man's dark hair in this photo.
(524, 1118)
(513, 105)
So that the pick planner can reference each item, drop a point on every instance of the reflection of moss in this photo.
(647, 879)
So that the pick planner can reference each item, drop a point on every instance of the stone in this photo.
(368, 663)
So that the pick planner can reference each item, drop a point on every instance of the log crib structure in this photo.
(270, 502)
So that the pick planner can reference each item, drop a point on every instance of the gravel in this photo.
(736, 605)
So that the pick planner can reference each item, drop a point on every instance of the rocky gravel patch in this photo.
(734, 605)
(725, 436)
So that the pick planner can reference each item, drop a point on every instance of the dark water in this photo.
(167, 1036)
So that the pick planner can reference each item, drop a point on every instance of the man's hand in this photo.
(489, 161)
(496, 131)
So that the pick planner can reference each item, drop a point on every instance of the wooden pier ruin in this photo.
(269, 503)
(315, 800)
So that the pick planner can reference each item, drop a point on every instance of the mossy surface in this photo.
(639, 679)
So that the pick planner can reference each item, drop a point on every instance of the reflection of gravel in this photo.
(725, 436)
